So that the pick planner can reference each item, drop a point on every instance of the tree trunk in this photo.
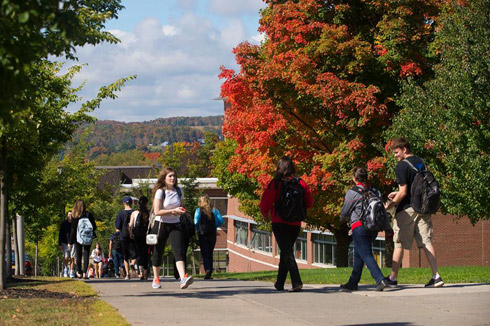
(8, 249)
(3, 205)
(35, 259)
(343, 241)
(21, 243)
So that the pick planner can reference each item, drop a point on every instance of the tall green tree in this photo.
(447, 119)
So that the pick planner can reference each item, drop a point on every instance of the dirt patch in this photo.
(14, 293)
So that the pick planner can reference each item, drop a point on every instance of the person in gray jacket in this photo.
(363, 239)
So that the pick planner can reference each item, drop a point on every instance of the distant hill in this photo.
(117, 137)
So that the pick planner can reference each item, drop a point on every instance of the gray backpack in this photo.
(85, 232)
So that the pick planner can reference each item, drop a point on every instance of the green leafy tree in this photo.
(447, 119)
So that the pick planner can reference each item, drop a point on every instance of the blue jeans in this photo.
(363, 254)
(118, 260)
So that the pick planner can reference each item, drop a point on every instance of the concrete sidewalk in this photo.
(231, 302)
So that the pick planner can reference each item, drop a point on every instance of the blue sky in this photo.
(175, 47)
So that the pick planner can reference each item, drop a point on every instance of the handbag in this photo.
(152, 239)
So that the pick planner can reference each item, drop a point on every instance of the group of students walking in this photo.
(128, 245)
(407, 223)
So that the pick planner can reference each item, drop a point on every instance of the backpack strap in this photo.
(413, 167)
(179, 193)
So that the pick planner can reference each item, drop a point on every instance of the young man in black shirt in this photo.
(122, 227)
(407, 223)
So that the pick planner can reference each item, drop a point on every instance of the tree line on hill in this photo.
(108, 137)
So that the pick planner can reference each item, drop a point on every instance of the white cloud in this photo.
(177, 65)
(236, 7)
(259, 38)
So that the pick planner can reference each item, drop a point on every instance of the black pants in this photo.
(167, 231)
(86, 252)
(286, 236)
(207, 242)
(185, 246)
(141, 251)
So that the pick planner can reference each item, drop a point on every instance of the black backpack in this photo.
(140, 225)
(291, 204)
(424, 191)
(206, 224)
(187, 225)
(374, 216)
(116, 242)
(125, 227)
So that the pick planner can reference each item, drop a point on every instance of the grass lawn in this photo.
(54, 301)
(457, 274)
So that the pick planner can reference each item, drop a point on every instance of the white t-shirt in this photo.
(97, 255)
(172, 200)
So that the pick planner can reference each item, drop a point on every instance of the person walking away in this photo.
(116, 253)
(167, 207)
(122, 226)
(138, 226)
(98, 257)
(409, 224)
(66, 248)
(285, 232)
(351, 212)
(82, 233)
(207, 220)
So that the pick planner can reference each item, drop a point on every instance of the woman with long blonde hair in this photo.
(79, 213)
(207, 221)
(168, 206)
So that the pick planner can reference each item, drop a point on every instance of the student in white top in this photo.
(98, 256)
(168, 206)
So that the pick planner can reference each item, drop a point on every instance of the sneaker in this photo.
(296, 288)
(348, 286)
(156, 283)
(186, 281)
(72, 274)
(65, 274)
(127, 277)
(381, 285)
(390, 283)
(435, 283)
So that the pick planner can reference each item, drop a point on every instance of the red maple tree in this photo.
(319, 88)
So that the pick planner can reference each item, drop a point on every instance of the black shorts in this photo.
(128, 248)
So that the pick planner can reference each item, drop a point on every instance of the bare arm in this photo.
(397, 196)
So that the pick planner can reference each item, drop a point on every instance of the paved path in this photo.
(231, 302)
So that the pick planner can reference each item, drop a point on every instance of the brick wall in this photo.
(457, 243)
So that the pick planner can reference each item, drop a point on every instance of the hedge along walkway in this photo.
(54, 301)
(232, 302)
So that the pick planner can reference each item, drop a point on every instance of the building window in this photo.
(241, 232)
(261, 240)
(220, 203)
(324, 246)
(300, 248)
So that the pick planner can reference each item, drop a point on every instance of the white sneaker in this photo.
(186, 281)
(156, 283)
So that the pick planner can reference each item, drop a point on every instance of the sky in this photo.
(175, 47)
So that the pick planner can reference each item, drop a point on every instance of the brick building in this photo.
(457, 243)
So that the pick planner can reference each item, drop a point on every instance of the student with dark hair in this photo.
(138, 226)
(285, 232)
(81, 244)
(167, 207)
(363, 239)
(409, 224)
(67, 249)
(127, 244)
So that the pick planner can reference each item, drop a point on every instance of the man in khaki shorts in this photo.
(407, 223)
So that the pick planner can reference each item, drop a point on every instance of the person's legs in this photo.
(364, 246)
(204, 245)
(396, 263)
(176, 243)
(86, 253)
(159, 249)
(115, 259)
(78, 250)
(403, 228)
(286, 235)
(356, 274)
